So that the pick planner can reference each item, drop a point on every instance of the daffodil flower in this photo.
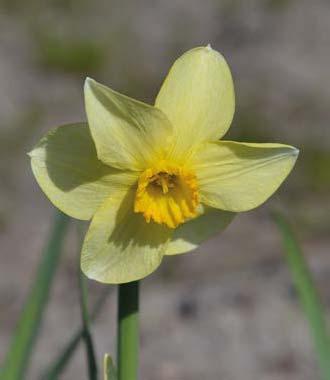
(156, 180)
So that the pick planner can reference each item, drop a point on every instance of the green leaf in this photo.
(63, 359)
(69, 54)
(110, 372)
(308, 294)
(87, 336)
(26, 331)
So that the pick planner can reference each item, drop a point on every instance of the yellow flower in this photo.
(156, 180)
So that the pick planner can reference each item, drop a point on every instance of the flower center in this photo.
(167, 194)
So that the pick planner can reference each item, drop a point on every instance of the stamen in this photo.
(167, 195)
(163, 182)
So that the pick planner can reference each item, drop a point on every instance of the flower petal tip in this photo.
(295, 151)
(88, 82)
(32, 153)
(208, 47)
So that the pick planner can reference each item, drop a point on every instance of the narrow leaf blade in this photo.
(22, 344)
(307, 293)
(62, 360)
(87, 335)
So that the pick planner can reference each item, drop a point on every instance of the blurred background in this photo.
(228, 310)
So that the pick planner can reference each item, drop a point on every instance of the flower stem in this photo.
(128, 331)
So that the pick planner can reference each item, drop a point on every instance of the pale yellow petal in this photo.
(240, 176)
(198, 98)
(120, 245)
(67, 169)
(127, 133)
(191, 234)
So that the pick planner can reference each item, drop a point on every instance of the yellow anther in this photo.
(167, 194)
(164, 184)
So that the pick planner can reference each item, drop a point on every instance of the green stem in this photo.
(128, 331)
